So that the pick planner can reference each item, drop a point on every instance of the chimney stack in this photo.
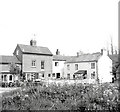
(57, 52)
(33, 42)
(104, 52)
(101, 51)
(78, 54)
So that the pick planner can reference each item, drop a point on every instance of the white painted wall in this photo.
(81, 66)
(59, 68)
(104, 69)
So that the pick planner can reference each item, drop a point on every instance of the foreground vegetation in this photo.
(38, 96)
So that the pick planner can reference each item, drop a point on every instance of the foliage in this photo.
(14, 69)
(67, 97)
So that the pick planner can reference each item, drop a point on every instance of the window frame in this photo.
(33, 63)
(56, 63)
(10, 77)
(42, 64)
(53, 74)
(49, 75)
(68, 75)
(93, 75)
(68, 67)
(76, 66)
(93, 65)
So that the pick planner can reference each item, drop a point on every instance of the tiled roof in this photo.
(9, 59)
(34, 49)
(84, 58)
(61, 57)
(114, 57)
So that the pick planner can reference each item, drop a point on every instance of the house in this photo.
(89, 68)
(58, 65)
(6, 75)
(36, 61)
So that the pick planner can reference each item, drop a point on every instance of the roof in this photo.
(34, 49)
(9, 59)
(84, 58)
(61, 57)
(81, 72)
(114, 57)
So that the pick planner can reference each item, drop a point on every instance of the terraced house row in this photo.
(36, 62)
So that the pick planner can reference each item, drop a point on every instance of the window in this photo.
(93, 75)
(68, 67)
(36, 76)
(33, 63)
(5, 77)
(56, 63)
(74, 76)
(68, 76)
(49, 75)
(92, 65)
(76, 66)
(85, 75)
(42, 64)
(57, 75)
(43, 75)
(10, 77)
(53, 75)
(2, 77)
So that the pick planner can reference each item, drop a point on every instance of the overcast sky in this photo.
(67, 25)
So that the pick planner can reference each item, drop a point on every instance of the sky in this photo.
(67, 25)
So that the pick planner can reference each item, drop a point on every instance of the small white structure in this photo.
(58, 66)
(105, 68)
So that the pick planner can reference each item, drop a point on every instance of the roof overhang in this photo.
(81, 72)
(37, 54)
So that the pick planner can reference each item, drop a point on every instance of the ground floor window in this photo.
(93, 75)
(53, 75)
(49, 75)
(32, 76)
(2, 77)
(57, 75)
(10, 77)
(36, 76)
(43, 75)
(68, 76)
(74, 76)
(28, 76)
(5, 77)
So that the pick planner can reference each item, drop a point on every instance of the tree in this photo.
(14, 69)
(114, 69)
